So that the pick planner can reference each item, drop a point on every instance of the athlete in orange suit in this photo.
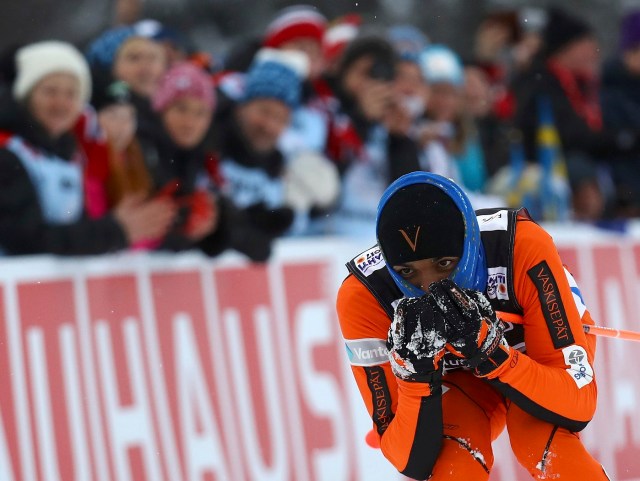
(440, 376)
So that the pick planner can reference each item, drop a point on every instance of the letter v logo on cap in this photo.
(413, 244)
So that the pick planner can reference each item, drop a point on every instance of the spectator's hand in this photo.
(272, 221)
(203, 215)
(375, 99)
(169, 189)
(239, 232)
(311, 180)
(416, 340)
(143, 219)
(430, 131)
(525, 50)
(425, 135)
(397, 119)
(473, 331)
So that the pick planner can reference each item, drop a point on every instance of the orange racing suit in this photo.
(544, 394)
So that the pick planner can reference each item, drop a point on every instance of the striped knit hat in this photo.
(299, 21)
(340, 34)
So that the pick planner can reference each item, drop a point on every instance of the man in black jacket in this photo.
(567, 77)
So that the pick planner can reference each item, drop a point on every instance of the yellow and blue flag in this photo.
(555, 192)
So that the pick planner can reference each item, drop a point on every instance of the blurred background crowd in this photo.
(143, 136)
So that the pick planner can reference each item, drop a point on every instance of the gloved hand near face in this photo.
(473, 331)
(416, 340)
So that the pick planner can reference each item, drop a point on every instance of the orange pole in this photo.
(595, 330)
(610, 332)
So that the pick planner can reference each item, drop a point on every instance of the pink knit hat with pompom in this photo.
(182, 80)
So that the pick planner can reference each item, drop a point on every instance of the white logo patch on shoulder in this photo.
(370, 261)
(497, 221)
(367, 352)
(579, 368)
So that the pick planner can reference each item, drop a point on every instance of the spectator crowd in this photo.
(139, 141)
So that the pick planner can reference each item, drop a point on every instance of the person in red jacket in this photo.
(440, 374)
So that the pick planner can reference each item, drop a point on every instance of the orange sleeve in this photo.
(406, 415)
(554, 380)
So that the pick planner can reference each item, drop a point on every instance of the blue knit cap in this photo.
(102, 51)
(440, 64)
(471, 271)
(408, 41)
(276, 74)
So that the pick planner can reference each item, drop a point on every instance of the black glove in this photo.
(236, 231)
(272, 221)
(473, 331)
(416, 341)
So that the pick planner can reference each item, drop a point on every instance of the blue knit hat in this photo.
(155, 30)
(408, 41)
(440, 64)
(101, 53)
(276, 74)
(471, 271)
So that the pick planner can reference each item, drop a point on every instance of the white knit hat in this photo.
(37, 60)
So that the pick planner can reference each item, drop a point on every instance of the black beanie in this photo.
(420, 221)
(108, 91)
(562, 29)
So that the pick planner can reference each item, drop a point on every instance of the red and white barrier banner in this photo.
(148, 368)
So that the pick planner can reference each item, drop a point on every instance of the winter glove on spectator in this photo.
(311, 180)
(272, 221)
(416, 341)
(168, 190)
(234, 231)
(202, 215)
(473, 331)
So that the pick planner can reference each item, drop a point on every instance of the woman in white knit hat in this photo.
(41, 167)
